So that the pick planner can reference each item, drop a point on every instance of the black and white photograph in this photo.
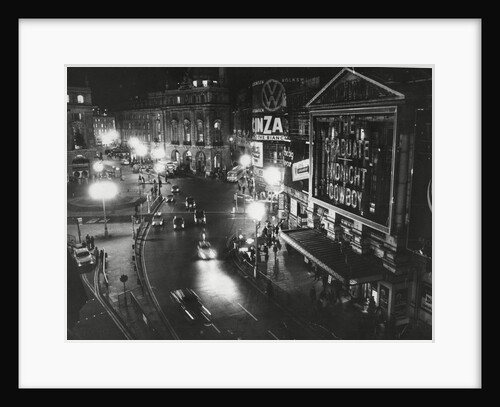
(249, 203)
(233, 208)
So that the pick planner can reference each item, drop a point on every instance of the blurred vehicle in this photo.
(126, 161)
(157, 219)
(82, 256)
(191, 305)
(190, 203)
(178, 222)
(175, 189)
(205, 250)
(199, 217)
(235, 173)
(170, 198)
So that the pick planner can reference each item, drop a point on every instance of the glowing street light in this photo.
(272, 175)
(245, 160)
(133, 142)
(104, 190)
(257, 210)
(109, 137)
(158, 153)
(98, 167)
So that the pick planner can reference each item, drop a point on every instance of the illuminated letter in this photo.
(363, 172)
(348, 197)
(277, 125)
(351, 174)
(354, 201)
(367, 150)
(360, 195)
(268, 123)
(337, 171)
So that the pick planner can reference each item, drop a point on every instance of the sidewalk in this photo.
(292, 279)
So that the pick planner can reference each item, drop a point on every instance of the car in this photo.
(170, 198)
(178, 222)
(205, 250)
(157, 219)
(200, 217)
(125, 161)
(190, 203)
(83, 257)
(191, 305)
(175, 189)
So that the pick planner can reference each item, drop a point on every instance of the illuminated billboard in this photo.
(353, 162)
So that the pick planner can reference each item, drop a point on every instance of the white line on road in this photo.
(215, 327)
(274, 336)
(248, 312)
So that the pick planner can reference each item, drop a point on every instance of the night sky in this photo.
(112, 85)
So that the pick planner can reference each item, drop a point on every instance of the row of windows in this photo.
(186, 99)
(79, 99)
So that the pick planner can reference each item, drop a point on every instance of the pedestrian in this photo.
(312, 294)
(92, 242)
(266, 252)
(264, 231)
(87, 240)
(159, 183)
(277, 230)
(275, 250)
(317, 274)
(278, 244)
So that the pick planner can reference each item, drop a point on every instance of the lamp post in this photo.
(98, 167)
(103, 190)
(257, 211)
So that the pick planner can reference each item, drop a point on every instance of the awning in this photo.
(343, 264)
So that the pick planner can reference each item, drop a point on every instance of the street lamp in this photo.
(257, 211)
(245, 160)
(104, 190)
(98, 167)
(141, 150)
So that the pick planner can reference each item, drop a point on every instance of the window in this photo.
(217, 132)
(202, 98)
(199, 131)
(67, 98)
(175, 132)
(79, 99)
(178, 99)
(187, 132)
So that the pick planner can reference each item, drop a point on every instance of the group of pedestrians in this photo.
(89, 242)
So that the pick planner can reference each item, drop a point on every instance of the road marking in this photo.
(248, 312)
(273, 335)
(93, 220)
(215, 328)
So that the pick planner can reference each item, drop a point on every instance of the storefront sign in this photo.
(271, 137)
(257, 154)
(300, 170)
(401, 303)
(281, 202)
(293, 207)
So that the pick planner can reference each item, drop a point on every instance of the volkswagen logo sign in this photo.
(273, 95)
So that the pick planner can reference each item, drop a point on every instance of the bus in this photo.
(235, 174)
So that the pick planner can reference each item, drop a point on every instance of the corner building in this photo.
(191, 123)
(368, 223)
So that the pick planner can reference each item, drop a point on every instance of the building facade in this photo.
(80, 133)
(191, 123)
(104, 129)
(368, 132)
